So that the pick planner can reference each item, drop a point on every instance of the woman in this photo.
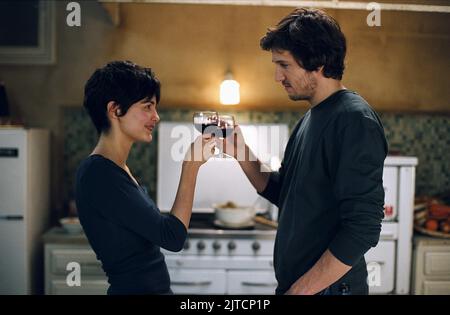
(121, 222)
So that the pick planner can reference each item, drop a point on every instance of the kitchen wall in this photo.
(400, 68)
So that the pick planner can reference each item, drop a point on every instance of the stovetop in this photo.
(204, 225)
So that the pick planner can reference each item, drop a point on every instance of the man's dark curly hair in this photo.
(314, 39)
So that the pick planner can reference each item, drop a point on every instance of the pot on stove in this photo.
(233, 215)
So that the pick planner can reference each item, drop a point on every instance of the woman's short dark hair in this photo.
(123, 82)
(314, 39)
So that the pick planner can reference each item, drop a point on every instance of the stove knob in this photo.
(231, 245)
(186, 245)
(201, 245)
(216, 245)
(256, 246)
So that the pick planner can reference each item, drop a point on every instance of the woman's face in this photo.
(140, 120)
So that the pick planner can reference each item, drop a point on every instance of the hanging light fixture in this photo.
(229, 90)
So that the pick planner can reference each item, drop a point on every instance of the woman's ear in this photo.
(113, 109)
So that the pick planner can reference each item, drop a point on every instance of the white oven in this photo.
(232, 262)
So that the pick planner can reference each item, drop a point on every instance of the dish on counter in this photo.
(71, 225)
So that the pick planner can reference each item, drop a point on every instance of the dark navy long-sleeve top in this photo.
(125, 228)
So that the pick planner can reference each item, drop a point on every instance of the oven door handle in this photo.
(195, 283)
(258, 284)
(387, 235)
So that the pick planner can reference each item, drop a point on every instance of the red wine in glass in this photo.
(226, 132)
(206, 122)
(208, 127)
(226, 125)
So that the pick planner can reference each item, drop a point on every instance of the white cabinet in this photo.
(57, 259)
(437, 263)
(431, 267)
(435, 287)
(61, 257)
(88, 287)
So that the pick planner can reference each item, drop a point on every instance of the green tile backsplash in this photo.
(423, 135)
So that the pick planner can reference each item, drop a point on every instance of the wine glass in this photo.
(226, 125)
(206, 121)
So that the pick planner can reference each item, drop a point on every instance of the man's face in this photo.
(140, 120)
(298, 83)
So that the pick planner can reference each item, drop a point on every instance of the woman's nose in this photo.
(156, 117)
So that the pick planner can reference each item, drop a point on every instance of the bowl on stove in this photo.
(233, 215)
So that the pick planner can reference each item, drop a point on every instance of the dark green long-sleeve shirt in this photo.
(329, 189)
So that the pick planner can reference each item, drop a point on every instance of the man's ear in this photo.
(320, 70)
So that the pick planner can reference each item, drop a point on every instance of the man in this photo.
(329, 187)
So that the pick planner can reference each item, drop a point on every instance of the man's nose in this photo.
(279, 76)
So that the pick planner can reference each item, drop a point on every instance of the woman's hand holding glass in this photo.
(201, 150)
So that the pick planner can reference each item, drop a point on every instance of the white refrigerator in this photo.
(24, 208)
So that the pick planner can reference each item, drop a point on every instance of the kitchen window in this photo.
(27, 32)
